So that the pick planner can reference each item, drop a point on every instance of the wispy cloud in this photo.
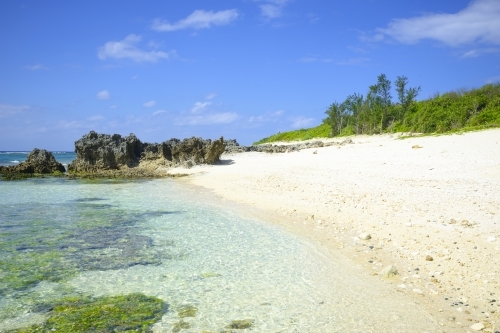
(113, 106)
(158, 112)
(478, 23)
(104, 94)
(494, 79)
(209, 119)
(312, 17)
(470, 54)
(353, 61)
(299, 122)
(199, 107)
(149, 104)
(211, 96)
(272, 9)
(7, 110)
(270, 117)
(315, 59)
(127, 48)
(95, 118)
(474, 53)
(199, 19)
(35, 67)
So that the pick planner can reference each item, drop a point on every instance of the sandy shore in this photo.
(431, 206)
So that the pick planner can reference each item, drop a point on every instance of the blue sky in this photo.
(242, 69)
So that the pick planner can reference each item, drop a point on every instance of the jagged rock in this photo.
(99, 152)
(37, 161)
(105, 152)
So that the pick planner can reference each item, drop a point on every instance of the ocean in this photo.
(64, 238)
(9, 158)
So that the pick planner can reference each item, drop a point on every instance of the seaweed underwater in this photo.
(44, 244)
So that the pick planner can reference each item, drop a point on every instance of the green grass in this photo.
(321, 131)
(453, 112)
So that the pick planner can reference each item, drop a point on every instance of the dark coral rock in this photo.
(38, 161)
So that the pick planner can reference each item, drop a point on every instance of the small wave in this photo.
(15, 161)
(14, 152)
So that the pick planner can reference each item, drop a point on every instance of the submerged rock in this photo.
(241, 324)
(37, 161)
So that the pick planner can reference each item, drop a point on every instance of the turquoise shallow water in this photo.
(65, 237)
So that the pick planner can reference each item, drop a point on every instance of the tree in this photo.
(336, 115)
(381, 91)
(406, 96)
(354, 106)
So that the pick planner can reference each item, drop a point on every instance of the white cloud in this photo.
(478, 23)
(7, 110)
(95, 118)
(149, 104)
(35, 67)
(103, 95)
(313, 18)
(199, 106)
(272, 8)
(158, 112)
(113, 106)
(199, 19)
(71, 124)
(209, 119)
(266, 118)
(315, 59)
(470, 54)
(127, 48)
(494, 79)
(353, 61)
(302, 122)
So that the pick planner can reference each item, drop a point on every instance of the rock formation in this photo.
(37, 161)
(233, 147)
(105, 152)
(99, 152)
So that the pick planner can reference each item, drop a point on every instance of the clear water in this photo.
(9, 158)
(166, 240)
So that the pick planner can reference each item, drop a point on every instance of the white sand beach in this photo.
(430, 206)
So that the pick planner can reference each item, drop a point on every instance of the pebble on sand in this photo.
(389, 271)
(365, 236)
(429, 258)
(477, 327)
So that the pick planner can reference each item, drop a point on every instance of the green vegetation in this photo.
(321, 131)
(460, 110)
(241, 324)
(377, 113)
(56, 242)
(187, 311)
(129, 313)
(6, 174)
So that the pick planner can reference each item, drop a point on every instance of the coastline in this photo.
(430, 205)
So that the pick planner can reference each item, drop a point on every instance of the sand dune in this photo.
(430, 206)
